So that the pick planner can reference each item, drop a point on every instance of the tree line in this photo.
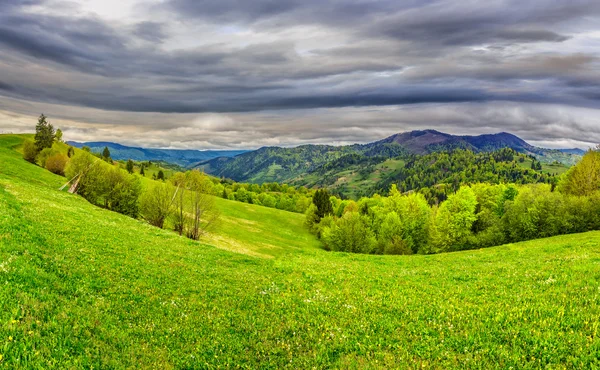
(184, 202)
(474, 216)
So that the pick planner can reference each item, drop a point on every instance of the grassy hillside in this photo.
(84, 287)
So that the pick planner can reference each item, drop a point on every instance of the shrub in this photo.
(43, 156)
(30, 151)
(156, 203)
(56, 163)
(350, 234)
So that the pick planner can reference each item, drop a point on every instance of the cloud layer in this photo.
(342, 65)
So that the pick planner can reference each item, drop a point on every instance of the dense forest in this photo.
(435, 175)
(479, 215)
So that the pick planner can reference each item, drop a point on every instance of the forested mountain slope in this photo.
(294, 164)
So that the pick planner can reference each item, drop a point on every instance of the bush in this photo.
(43, 156)
(156, 203)
(56, 163)
(123, 192)
(350, 233)
(30, 151)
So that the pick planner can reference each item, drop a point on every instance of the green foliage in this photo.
(30, 151)
(202, 204)
(103, 184)
(312, 219)
(156, 204)
(414, 214)
(536, 212)
(106, 154)
(56, 163)
(58, 136)
(44, 134)
(584, 177)
(129, 166)
(124, 193)
(321, 200)
(390, 236)
(43, 155)
(454, 220)
(350, 233)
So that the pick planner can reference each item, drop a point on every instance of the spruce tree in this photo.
(142, 170)
(321, 200)
(44, 134)
(130, 166)
(106, 154)
(161, 175)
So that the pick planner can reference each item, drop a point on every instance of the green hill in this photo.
(83, 287)
(358, 170)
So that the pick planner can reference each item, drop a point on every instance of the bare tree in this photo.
(203, 210)
(180, 215)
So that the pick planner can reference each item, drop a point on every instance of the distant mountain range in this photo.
(288, 164)
(185, 158)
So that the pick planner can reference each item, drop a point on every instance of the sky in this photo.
(223, 74)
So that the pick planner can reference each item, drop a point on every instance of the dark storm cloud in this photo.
(225, 56)
(278, 13)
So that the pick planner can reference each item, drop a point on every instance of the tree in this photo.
(161, 175)
(44, 134)
(321, 200)
(156, 203)
(129, 166)
(70, 152)
(180, 217)
(123, 192)
(142, 172)
(584, 177)
(350, 233)
(454, 220)
(30, 151)
(58, 136)
(106, 154)
(390, 236)
(413, 213)
(204, 212)
(311, 219)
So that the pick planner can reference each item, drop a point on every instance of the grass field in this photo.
(82, 287)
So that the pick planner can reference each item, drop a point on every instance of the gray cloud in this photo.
(234, 56)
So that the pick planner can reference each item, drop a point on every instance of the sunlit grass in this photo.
(82, 287)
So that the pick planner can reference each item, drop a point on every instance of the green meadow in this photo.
(83, 287)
